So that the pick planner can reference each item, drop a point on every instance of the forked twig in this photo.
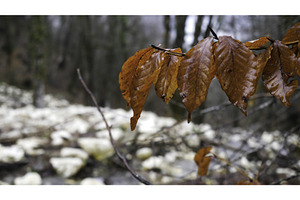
(121, 157)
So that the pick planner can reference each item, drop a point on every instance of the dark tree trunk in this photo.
(180, 25)
(38, 54)
(167, 30)
(198, 26)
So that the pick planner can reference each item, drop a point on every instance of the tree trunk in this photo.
(37, 45)
(197, 32)
(180, 26)
(167, 30)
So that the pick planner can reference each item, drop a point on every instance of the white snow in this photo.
(74, 152)
(11, 154)
(31, 178)
(67, 167)
(144, 153)
(99, 148)
(58, 137)
(31, 144)
(92, 181)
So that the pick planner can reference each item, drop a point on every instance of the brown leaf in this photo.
(195, 74)
(202, 160)
(166, 82)
(258, 44)
(263, 58)
(279, 70)
(129, 68)
(292, 35)
(237, 71)
(141, 83)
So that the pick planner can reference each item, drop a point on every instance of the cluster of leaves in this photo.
(232, 62)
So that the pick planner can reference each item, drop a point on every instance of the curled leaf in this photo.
(292, 35)
(279, 69)
(195, 74)
(129, 69)
(141, 83)
(166, 82)
(202, 160)
(237, 71)
(258, 44)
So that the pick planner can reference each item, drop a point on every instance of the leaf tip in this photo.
(133, 121)
(189, 117)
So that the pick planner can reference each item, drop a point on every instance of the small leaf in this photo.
(258, 44)
(202, 160)
(279, 69)
(129, 68)
(237, 71)
(166, 82)
(195, 74)
(141, 84)
(292, 35)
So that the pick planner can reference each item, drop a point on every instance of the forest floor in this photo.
(68, 144)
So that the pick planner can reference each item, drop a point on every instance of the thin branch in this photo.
(168, 51)
(237, 169)
(121, 157)
(213, 33)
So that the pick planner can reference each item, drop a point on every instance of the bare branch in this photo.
(168, 51)
(213, 33)
(121, 157)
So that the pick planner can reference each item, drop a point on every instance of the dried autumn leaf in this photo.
(263, 58)
(202, 160)
(237, 71)
(258, 44)
(141, 83)
(166, 82)
(129, 68)
(195, 74)
(292, 35)
(279, 69)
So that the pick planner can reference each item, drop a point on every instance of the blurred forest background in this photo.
(42, 53)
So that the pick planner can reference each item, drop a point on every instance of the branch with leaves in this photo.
(232, 62)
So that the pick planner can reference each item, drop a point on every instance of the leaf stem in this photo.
(168, 51)
(213, 32)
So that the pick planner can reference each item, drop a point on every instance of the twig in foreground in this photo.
(121, 157)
